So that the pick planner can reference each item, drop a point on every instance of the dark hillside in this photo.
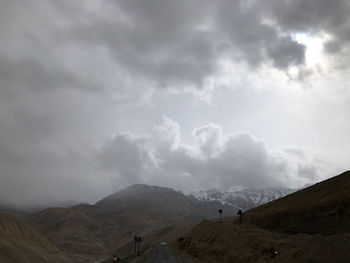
(20, 242)
(322, 208)
(69, 229)
(233, 243)
(311, 225)
(153, 199)
(95, 231)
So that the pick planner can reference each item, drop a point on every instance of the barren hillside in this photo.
(311, 225)
(322, 208)
(20, 242)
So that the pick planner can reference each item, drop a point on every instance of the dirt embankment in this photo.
(311, 225)
(227, 243)
(323, 208)
(19, 242)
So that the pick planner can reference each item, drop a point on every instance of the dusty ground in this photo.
(227, 242)
(19, 242)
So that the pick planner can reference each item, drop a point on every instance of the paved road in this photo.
(164, 255)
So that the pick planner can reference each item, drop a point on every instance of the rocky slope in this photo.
(87, 232)
(20, 242)
(228, 242)
(70, 230)
(322, 208)
(311, 225)
(157, 200)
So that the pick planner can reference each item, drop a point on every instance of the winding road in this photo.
(164, 255)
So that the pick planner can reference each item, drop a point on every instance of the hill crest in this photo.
(321, 208)
(311, 225)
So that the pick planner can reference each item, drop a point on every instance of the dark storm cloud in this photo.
(163, 43)
(255, 41)
(156, 40)
(32, 75)
(314, 17)
(170, 43)
(309, 16)
(54, 53)
(180, 43)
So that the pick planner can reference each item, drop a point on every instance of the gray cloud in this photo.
(158, 44)
(32, 75)
(314, 17)
(212, 160)
(126, 157)
(74, 72)
(311, 16)
(255, 41)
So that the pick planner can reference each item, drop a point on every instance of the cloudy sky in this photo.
(96, 95)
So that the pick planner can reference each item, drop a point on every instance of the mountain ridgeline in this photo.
(92, 232)
(85, 233)
(322, 208)
(231, 202)
(310, 225)
(156, 200)
(190, 205)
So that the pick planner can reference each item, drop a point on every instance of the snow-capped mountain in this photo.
(243, 199)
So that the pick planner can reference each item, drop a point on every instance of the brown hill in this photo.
(20, 242)
(322, 208)
(96, 231)
(70, 230)
(156, 200)
(311, 225)
(233, 243)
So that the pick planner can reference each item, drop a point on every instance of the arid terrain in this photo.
(20, 242)
(88, 233)
(311, 225)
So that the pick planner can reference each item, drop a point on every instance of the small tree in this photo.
(220, 212)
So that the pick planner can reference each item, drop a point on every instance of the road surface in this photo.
(164, 255)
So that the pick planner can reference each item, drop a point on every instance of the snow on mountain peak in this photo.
(243, 199)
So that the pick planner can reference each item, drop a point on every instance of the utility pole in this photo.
(135, 240)
(240, 213)
(139, 240)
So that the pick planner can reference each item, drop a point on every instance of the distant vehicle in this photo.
(163, 244)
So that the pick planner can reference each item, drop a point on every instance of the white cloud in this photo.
(212, 160)
(209, 139)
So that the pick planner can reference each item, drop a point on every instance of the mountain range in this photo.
(243, 199)
(88, 233)
(310, 225)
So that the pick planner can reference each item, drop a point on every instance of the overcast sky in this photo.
(96, 95)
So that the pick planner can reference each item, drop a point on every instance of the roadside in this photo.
(185, 258)
(150, 256)
(146, 257)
